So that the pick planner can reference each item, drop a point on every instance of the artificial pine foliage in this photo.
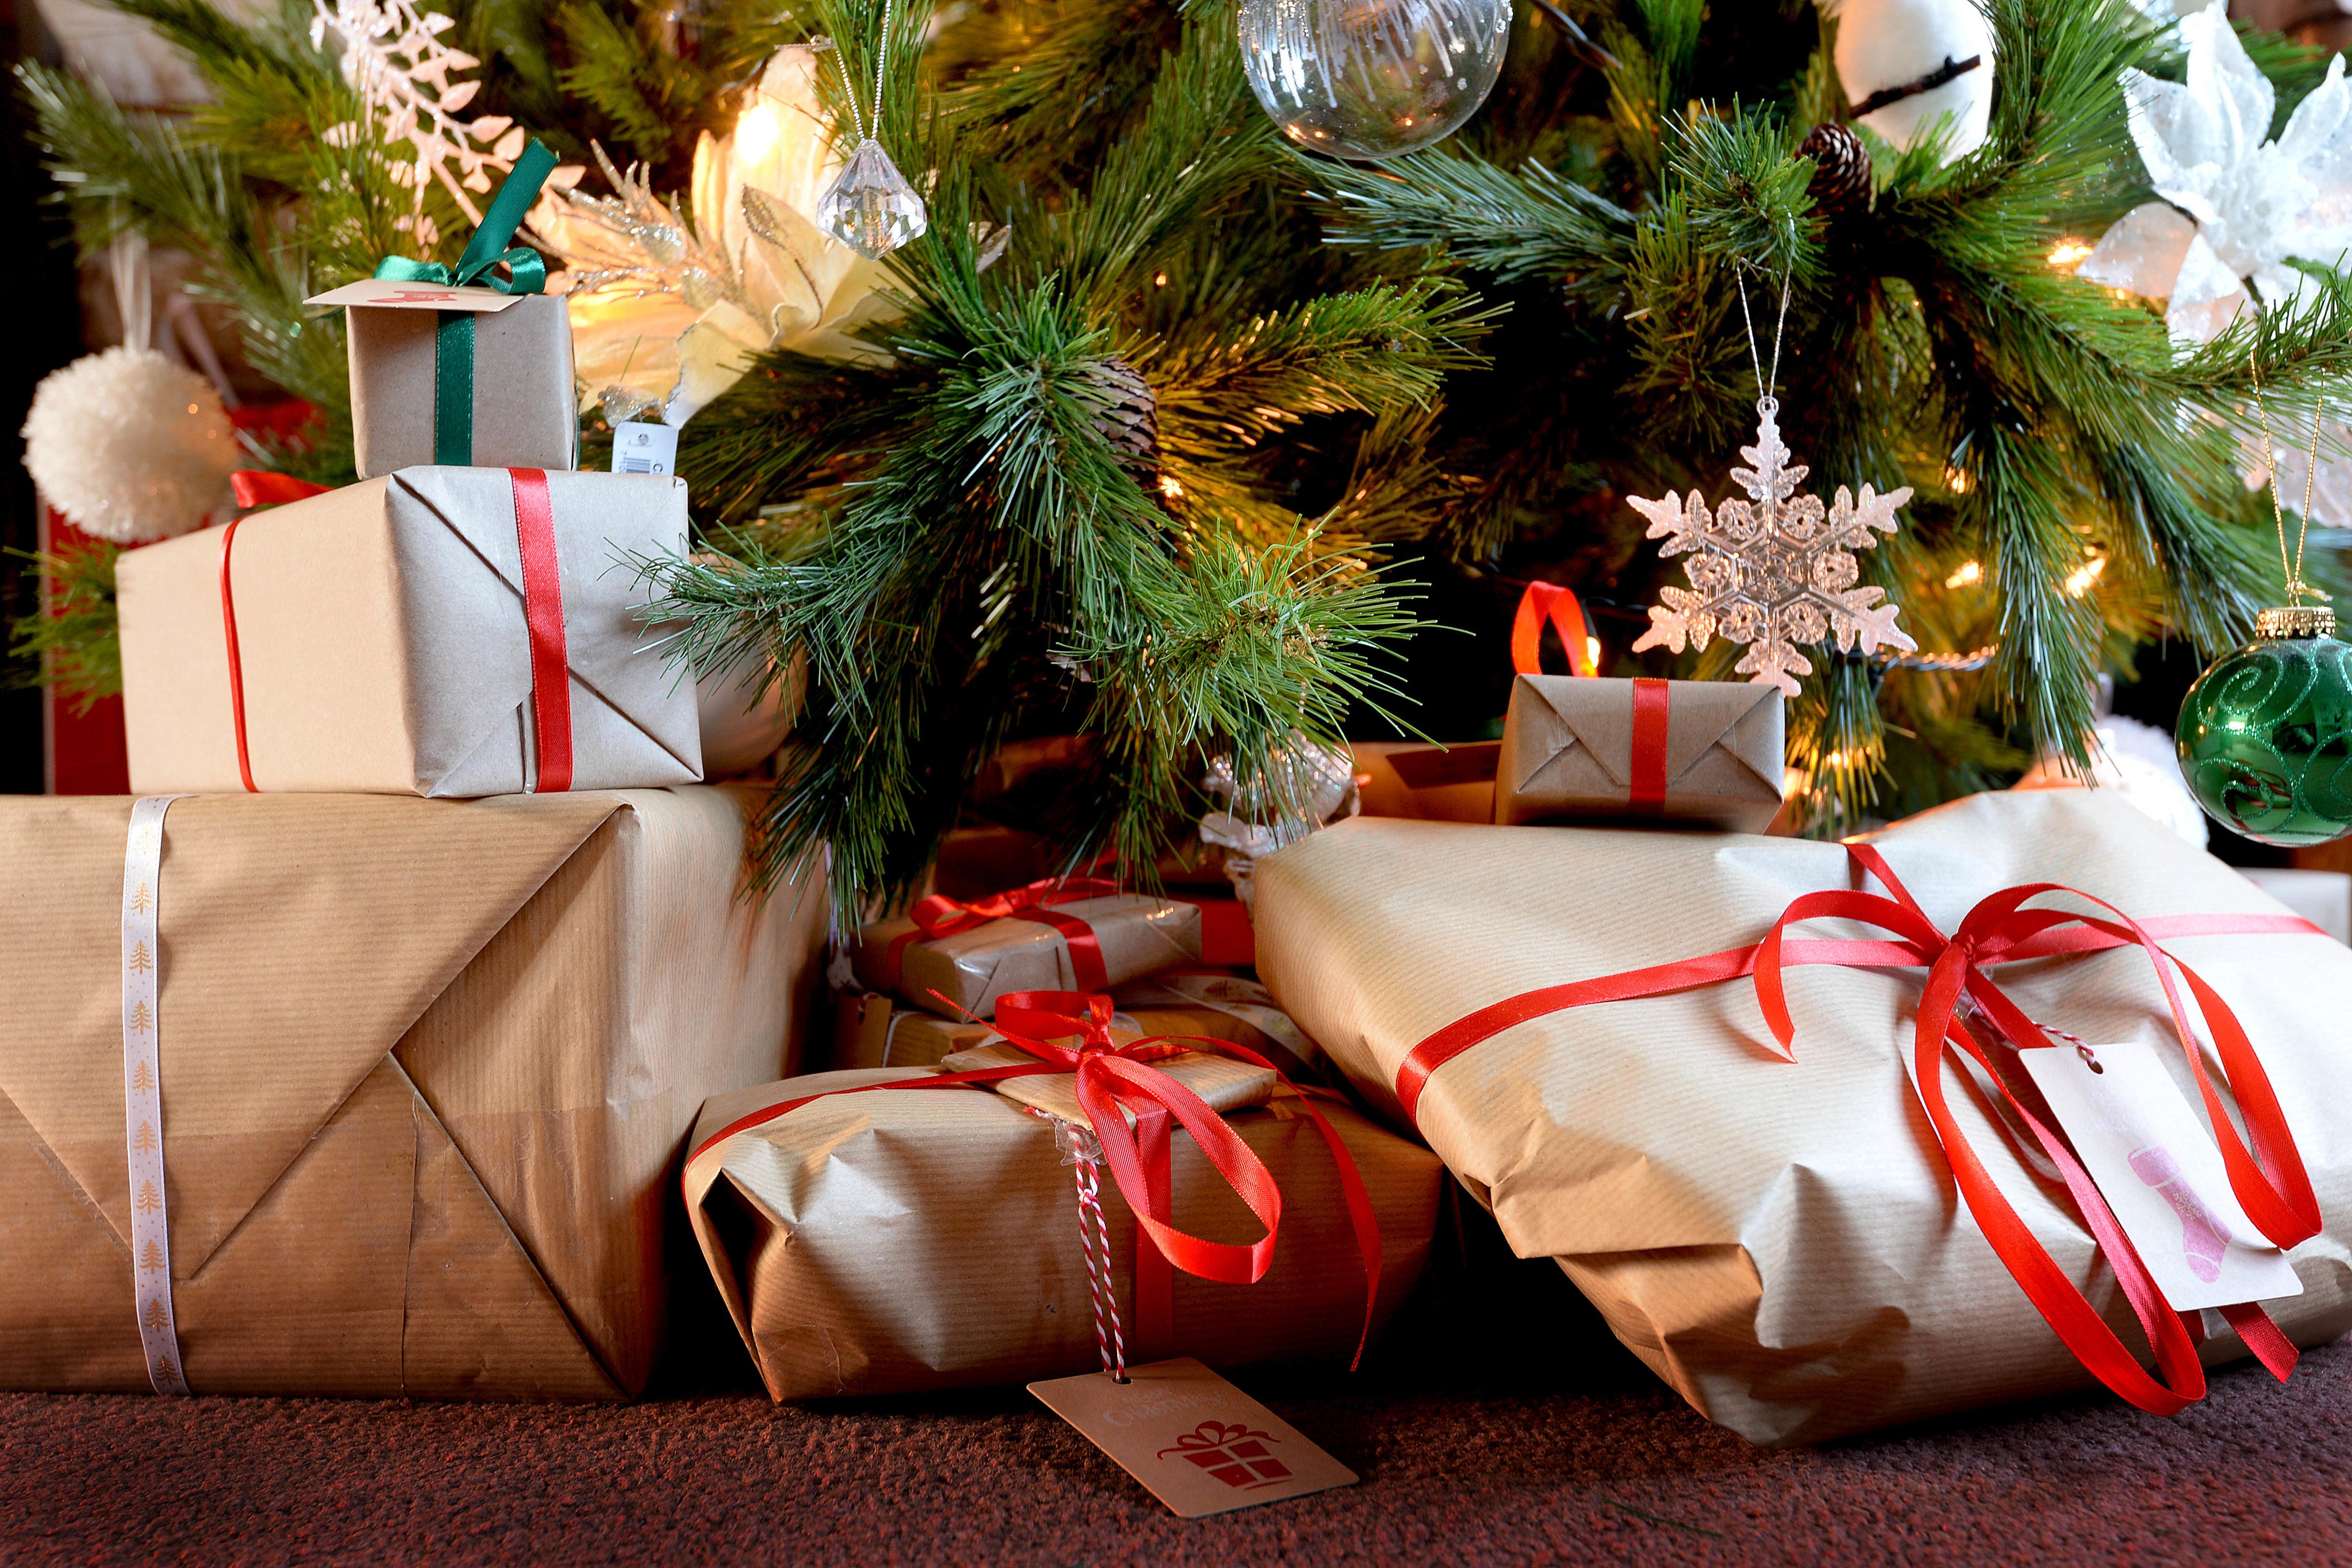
(1151, 473)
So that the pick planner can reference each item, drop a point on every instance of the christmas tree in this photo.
(1151, 434)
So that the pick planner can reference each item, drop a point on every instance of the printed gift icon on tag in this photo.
(1232, 1452)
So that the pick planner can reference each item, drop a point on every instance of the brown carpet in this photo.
(1535, 1440)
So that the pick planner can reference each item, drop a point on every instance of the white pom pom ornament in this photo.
(129, 446)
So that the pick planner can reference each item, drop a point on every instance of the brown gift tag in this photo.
(1196, 1442)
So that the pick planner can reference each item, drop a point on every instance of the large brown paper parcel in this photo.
(969, 968)
(427, 1069)
(1568, 747)
(524, 414)
(1781, 1243)
(903, 1239)
(381, 635)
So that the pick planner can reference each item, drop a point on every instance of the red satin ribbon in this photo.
(1647, 776)
(542, 610)
(236, 664)
(257, 488)
(1110, 1076)
(940, 915)
(1542, 601)
(2269, 1179)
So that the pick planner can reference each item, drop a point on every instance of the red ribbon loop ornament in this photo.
(1549, 601)
(2268, 1178)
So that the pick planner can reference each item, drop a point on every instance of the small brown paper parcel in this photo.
(972, 965)
(1782, 1241)
(383, 646)
(427, 1068)
(525, 412)
(1569, 741)
(873, 1032)
(902, 1240)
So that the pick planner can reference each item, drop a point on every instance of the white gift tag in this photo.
(645, 448)
(390, 294)
(2160, 1171)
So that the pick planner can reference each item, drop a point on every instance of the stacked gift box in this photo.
(376, 1025)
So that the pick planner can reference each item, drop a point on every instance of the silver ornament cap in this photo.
(869, 206)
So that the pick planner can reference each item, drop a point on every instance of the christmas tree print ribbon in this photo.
(453, 337)
(143, 1095)
(940, 915)
(1961, 1000)
(1069, 1031)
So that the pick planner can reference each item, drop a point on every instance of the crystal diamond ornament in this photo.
(869, 206)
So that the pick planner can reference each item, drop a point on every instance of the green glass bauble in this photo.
(2265, 739)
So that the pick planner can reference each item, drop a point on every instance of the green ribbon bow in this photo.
(453, 337)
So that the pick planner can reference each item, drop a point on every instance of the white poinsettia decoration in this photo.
(2236, 205)
(668, 314)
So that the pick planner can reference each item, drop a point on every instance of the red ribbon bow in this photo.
(1069, 1031)
(2269, 1179)
(940, 915)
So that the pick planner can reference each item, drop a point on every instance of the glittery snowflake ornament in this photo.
(869, 206)
(1774, 572)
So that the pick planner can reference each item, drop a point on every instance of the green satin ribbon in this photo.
(453, 335)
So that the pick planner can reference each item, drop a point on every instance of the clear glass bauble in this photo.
(869, 206)
(2265, 740)
(1372, 78)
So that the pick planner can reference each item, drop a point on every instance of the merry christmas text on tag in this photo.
(1196, 1442)
(2160, 1171)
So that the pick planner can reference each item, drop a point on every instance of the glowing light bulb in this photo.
(2086, 576)
(1973, 571)
(2067, 252)
(755, 135)
(1593, 652)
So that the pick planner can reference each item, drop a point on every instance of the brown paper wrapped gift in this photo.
(948, 955)
(873, 1033)
(897, 1240)
(524, 413)
(1570, 748)
(428, 1068)
(1781, 1242)
(382, 644)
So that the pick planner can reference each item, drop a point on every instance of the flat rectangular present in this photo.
(410, 636)
(977, 960)
(1450, 783)
(872, 1033)
(1583, 748)
(898, 1240)
(1782, 1241)
(500, 398)
(427, 1068)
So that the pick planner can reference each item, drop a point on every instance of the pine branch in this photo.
(71, 628)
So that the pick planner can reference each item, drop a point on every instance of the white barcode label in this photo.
(644, 449)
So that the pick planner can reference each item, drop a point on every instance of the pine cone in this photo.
(1840, 183)
(1128, 417)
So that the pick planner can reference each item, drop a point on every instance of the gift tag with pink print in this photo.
(2158, 1168)
(1196, 1442)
